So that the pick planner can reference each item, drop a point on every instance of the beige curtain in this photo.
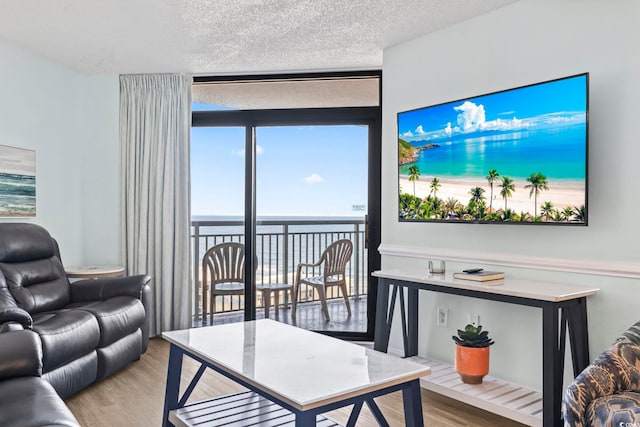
(155, 126)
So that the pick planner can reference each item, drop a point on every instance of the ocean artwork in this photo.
(518, 155)
(17, 182)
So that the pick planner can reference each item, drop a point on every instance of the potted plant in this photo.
(472, 353)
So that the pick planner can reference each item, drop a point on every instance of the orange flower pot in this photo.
(472, 363)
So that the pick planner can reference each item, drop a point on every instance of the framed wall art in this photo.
(17, 182)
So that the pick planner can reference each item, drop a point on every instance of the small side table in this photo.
(94, 271)
(267, 289)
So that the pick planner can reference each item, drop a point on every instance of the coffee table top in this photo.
(302, 368)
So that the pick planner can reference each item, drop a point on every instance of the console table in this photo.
(564, 307)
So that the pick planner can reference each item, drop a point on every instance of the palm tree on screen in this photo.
(414, 175)
(568, 213)
(558, 216)
(435, 184)
(546, 210)
(507, 187)
(452, 206)
(493, 175)
(477, 194)
(537, 183)
(477, 197)
(509, 215)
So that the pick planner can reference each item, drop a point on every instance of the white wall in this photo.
(528, 42)
(71, 121)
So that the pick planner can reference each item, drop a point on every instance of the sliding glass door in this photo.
(311, 193)
(289, 184)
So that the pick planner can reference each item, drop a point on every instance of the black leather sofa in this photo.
(86, 330)
(27, 400)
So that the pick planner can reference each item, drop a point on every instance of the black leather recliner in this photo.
(26, 398)
(87, 329)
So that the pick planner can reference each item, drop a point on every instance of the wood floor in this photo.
(134, 397)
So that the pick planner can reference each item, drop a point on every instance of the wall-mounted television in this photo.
(518, 156)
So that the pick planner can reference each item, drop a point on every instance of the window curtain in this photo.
(155, 127)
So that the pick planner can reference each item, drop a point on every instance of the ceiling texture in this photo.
(225, 37)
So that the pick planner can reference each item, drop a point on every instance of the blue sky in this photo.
(301, 170)
(542, 105)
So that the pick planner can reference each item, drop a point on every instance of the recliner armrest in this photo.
(108, 287)
(20, 354)
(15, 314)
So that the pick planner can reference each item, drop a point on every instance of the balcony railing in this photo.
(280, 246)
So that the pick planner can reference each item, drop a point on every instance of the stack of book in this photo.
(479, 275)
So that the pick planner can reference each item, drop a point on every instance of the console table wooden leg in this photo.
(551, 368)
(578, 335)
(409, 321)
(412, 314)
(382, 331)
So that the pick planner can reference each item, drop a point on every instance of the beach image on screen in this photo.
(513, 156)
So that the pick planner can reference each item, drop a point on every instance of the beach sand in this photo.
(560, 194)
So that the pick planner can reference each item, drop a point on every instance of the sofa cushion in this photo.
(66, 335)
(25, 242)
(117, 355)
(32, 402)
(72, 377)
(615, 410)
(39, 285)
(6, 298)
(117, 317)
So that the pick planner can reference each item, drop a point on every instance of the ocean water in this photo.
(306, 238)
(560, 154)
(17, 194)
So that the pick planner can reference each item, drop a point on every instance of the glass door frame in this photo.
(252, 119)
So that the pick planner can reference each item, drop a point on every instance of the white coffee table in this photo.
(293, 376)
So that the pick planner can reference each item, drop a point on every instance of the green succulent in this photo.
(473, 336)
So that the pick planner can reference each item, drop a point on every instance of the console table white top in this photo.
(539, 290)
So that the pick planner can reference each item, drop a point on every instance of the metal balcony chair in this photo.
(224, 265)
(335, 259)
(222, 274)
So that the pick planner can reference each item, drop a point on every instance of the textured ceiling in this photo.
(225, 36)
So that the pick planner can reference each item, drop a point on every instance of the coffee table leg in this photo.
(172, 392)
(304, 419)
(412, 404)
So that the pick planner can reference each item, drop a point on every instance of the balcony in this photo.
(280, 246)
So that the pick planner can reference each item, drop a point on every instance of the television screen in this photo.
(515, 156)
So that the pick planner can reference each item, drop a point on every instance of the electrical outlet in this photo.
(473, 319)
(443, 316)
